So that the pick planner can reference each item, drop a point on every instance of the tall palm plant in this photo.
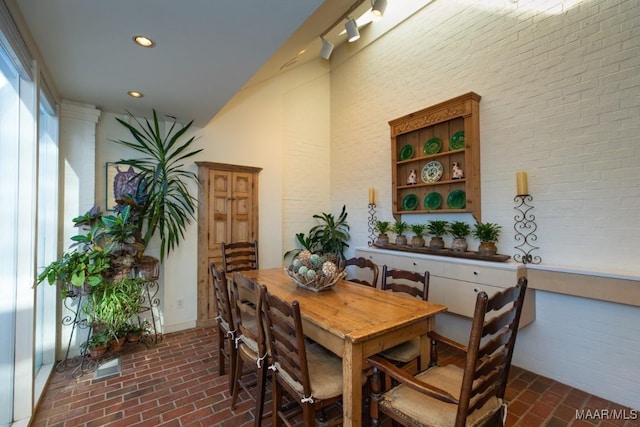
(168, 206)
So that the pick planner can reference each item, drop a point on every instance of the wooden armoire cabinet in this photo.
(227, 212)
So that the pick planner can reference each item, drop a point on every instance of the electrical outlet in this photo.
(180, 304)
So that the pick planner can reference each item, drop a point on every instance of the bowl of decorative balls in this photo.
(316, 272)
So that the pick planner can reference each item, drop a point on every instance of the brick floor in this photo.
(175, 383)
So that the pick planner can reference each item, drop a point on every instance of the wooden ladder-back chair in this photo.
(226, 327)
(363, 264)
(413, 284)
(250, 342)
(239, 256)
(309, 374)
(450, 395)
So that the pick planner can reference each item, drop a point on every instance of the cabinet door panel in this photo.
(460, 297)
(241, 199)
(476, 274)
(378, 259)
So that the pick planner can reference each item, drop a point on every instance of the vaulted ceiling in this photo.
(206, 50)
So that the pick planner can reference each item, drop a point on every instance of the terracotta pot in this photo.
(487, 249)
(117, 344)
(134, 337)
(401, 240)
(97, 352)
(417, 241)
(459, 244)
(436, 243)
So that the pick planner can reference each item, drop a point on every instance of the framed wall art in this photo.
(121, 180)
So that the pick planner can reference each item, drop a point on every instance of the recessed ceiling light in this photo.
(143, 41)
(135, 94)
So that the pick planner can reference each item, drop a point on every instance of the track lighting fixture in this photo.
(351, 26)
(377, 8)
(352, 30)
(327, 48)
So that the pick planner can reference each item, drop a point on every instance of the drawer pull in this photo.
(475, 290)
(475, 273)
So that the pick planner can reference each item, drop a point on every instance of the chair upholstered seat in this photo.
(325, 373)
(251, 344)
(404, 352)
(433, 412)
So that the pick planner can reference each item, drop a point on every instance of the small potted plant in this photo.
(459, 230)
(487, 233)
(114, 303)
(398, 228)
(382, 227)
(96, 345)
(329, 237)
(417, 241)
(437, 229)
(135, 331)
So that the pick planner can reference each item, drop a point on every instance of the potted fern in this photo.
(382, 227)
(488, 234)
(459, 230)
(417, 241)
(398, 228)
(437, 229)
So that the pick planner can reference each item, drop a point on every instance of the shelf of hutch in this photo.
(456, 123)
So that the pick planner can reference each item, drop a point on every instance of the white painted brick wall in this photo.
(561, 100)
(560, 87)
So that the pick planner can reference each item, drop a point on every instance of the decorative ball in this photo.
(316, 260)
(311, 274)
(303, 270)
(304, 255)
(329, 268)
(296, 264)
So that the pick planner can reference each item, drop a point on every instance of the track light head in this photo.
(327, 48)
(377, 9)
(352, 30)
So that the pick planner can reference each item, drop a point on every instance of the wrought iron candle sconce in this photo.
(372, 216)
(372, 223)
(525, 228)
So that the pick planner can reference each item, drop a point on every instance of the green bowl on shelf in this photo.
(406, 152)
(432, 201)
(410, 202)
(457, 199)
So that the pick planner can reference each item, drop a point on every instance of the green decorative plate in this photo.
(433, 201)
(432, 146)
(410, 202)
(457, 141)
(457, 199)
(406, 152)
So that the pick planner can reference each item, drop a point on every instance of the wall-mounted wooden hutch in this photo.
(414, 146)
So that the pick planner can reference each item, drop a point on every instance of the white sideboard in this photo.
(455, 282)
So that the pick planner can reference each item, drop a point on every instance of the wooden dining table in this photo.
(354, 321)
